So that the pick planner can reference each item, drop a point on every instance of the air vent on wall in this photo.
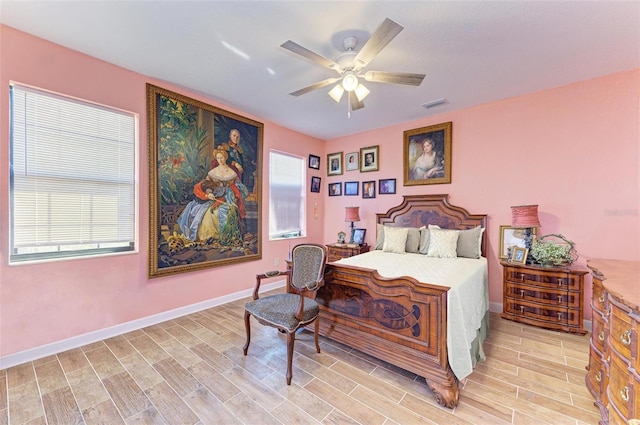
(435, 103)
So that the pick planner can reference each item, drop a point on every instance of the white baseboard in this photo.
(99, 335)
(497, 308)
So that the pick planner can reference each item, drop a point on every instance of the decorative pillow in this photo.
(413, 238)
(470, 242)
(379, 236)
(395, 239)
(442, 243)
(424, 240)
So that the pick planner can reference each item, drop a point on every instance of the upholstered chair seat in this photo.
(296, 308)
(280, 310)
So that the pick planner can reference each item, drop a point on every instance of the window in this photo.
(287, 199)
(72, 177)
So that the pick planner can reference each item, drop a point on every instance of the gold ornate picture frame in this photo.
(427, 155)
(205, 179)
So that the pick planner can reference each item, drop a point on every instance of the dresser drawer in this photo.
(597, 375)
(623, 337)
(556, 297)
(599, 332)
(623, 386)
(545, 313)
(547, 279)
(598, 296)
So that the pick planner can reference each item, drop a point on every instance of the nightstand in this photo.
(550, 298)
(336, 251)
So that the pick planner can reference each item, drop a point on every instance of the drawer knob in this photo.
(522, 309)
(601, 298)
(626, 337)
(559, 282)
(522, 277)
(624, 394)
(559, 316)
(560, 299)
(599, 376)
(601, 336)
(522, 293)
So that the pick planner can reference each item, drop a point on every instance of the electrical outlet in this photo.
(277, 262)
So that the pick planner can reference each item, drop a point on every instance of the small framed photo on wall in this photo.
(350, 188)
(369, 189)
(386, 186)
(315, 184)
(314, 162)
(351, 161)
(370, 158)
(334, 164)
(335, 189)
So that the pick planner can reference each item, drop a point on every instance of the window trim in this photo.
(302, 233)
(32, 258)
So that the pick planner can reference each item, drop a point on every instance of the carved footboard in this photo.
(399, 320)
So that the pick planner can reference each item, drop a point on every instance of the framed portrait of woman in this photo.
(204, 190)
(351, 161)
(370, 157)
(427, 155)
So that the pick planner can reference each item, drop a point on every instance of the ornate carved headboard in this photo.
(422, 210)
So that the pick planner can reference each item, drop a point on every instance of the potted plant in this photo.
(553, 253)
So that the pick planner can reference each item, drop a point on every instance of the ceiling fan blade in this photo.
(318, 85)
(355, 103)
(382, 36)
(394, 77)
(308, 54)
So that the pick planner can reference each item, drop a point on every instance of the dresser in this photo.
(550, 298)
(613, 373)
(336, 251)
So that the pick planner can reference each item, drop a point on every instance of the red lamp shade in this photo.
(525, 216)
(352, 214)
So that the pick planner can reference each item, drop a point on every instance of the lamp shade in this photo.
(352, 214)
(525, 216)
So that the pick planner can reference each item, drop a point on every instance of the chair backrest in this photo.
(307, 265)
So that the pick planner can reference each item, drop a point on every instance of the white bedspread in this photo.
(467, 300)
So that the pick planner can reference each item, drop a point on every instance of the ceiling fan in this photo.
(350, 64)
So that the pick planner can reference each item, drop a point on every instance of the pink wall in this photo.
(48, 302)
(572, 150)
(582, 139)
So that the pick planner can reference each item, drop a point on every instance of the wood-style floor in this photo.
(192, 371)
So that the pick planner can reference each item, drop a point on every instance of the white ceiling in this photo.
(471, 52)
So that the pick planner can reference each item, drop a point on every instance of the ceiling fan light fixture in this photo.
(361, 92)
(349, 81)
(336, 92)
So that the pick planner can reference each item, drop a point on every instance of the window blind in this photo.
(72, 176)
(286, 196)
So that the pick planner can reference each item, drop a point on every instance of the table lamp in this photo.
(525, 217)
(352, 214)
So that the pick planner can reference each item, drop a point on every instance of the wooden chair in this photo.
(289, 311)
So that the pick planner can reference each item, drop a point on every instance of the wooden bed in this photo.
(398, 320)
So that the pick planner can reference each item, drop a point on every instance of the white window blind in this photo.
(72, 177)
(286, 196)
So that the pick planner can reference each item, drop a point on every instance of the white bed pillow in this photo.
(442, 243)
(469, 243)
(413, 238)
(395, 239)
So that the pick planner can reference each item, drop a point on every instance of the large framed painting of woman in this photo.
(427, 155)
(205, 178)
